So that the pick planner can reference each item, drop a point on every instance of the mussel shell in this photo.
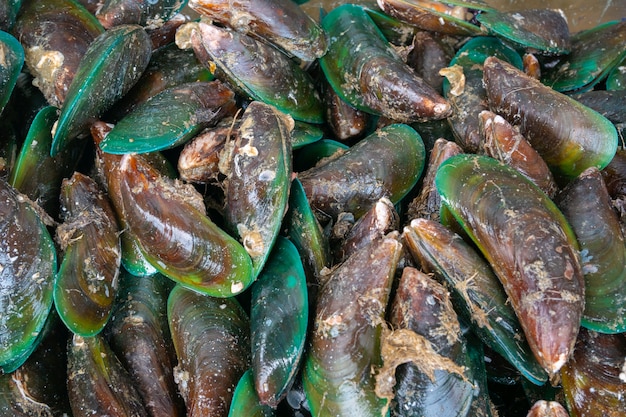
(315, 153)
(278, 320)
(38, 387)
(27, 272)
(257, 187)
(477, 293)
(472, 99)
(138, 332)
(542, 115)
(254, 69)
(37, 174)
(586, 204)
(304, 133)
(177, 238)
(381, 219)
(211, 337)
(529, 245)
(11, 62)
(246, 402)
(345, 121)
(345, 342)
(593, 381)
(97, 382)
(428, 203)
(423, 306)
(169, 66)
(506, 144)
(55, 35)
(111, 65)
(614, 174)
(435, 16)
(170, 118)
(108, 168)
(305, 232)
(145, 13)
(87, 280)
(616, 79)
(367, 73)
(281, 22)
(354, 181)
(199, 161)
(593, 54)
(544, 408)
(541, 30)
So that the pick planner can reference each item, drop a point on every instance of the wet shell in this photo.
(570, 137)
(211, 337)
(27, 272)
(87, 280)
(257, 187)
(529, 245)
(111, 65)
(345, 342)
(281, 22)
(97, 382)
(176, 237)
(367, 73)
(278, 320)
(354, 181)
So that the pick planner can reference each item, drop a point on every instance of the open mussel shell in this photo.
(541, 30)
(37, 174)
(111, 65)
(529, 245)
(345, 343)
(476, 291)
(211, 338)
(434, 374)
(542, 113)
(254, 69)
(138, 332)
(449, 17)
(12, 55)
(176, 237)
(87, 280)
(246, 402)
(27, 272)
(594, 53)
(586, 204)
(113, 13)
(593, 380)
(259, 177)
(170, 118)
(366, 72)
(54, 43)
(97, 382)
(282, 22)
(354, 181)
(278, 320)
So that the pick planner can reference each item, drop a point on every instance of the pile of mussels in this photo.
(413, 208)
